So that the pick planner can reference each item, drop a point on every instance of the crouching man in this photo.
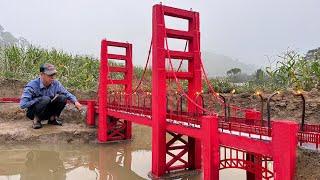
(45, 98)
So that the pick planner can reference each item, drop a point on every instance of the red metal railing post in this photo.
(210, 147)
(91, 113)
(317, 141)
(284, 144)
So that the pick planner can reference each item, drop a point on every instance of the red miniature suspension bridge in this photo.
(209, 141)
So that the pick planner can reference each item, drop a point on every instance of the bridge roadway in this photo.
(190, 124)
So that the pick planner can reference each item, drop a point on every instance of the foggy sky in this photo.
(247, 30)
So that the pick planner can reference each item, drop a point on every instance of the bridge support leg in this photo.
(194, 153)
(158, 149)
(210, 148)
(250, 175)
(176, 148)
(256, 159)
(128, 129)
(91, 113)
(284, 144)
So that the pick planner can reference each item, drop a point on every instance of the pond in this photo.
(122, 160)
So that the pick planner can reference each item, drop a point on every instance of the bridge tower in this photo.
(160, 146)
(110, 128)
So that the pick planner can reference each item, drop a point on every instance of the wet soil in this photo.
(308, 165)
(15, 128)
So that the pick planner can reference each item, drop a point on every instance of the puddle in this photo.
(124, 160)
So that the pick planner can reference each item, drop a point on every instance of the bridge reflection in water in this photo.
(104, 162)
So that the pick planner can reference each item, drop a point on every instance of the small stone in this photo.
(313, 104)
(282, 104)
(309, 112)
(75, 132)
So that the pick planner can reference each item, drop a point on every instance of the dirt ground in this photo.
(286, 105)
(308, 165)
(15, 128)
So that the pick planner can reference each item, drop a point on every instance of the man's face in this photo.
(47, 80)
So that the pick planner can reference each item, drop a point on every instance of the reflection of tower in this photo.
(43, 165)
(102, 166)
(123, 157)
(115, 163)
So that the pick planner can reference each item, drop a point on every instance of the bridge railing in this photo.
(241, 129)
(139, 103)
(309, 138)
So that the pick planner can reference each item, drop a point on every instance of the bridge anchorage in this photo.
(191, 129)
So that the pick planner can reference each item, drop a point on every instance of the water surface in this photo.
(125, 160)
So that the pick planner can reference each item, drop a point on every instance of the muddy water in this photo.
(125, 160)
(55, 162)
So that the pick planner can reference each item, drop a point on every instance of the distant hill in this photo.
(313, 54)
(6, 38)
(218, 65)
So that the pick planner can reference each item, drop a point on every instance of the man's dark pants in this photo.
(45, 108)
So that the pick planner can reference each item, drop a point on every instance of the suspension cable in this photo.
(208, 83)
(213, 91)
(185, 49)
(175, 76)
(145, 68)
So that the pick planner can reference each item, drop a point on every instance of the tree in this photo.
(259, 75)
(233, 71)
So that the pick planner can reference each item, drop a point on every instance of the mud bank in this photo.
(286, 105)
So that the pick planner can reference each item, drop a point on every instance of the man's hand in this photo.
(55, 97)
(78, 105)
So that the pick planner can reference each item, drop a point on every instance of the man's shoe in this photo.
(37, 125)
(55, 122)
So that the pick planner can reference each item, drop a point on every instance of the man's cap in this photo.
(48, 69)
